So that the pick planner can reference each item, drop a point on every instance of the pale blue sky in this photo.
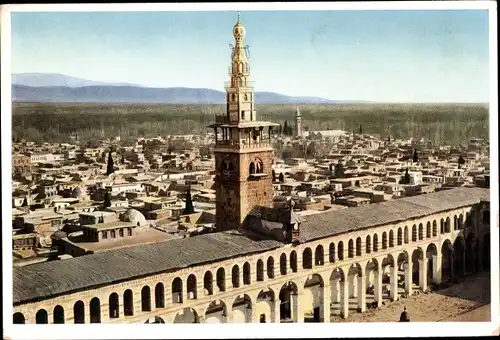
(384, 56)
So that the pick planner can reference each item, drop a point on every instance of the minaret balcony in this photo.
(242, 144)
(249, 85)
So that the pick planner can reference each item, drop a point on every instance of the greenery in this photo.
(441, 123)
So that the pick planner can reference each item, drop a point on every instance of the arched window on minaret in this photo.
(240, 68)
(233, 97)
(246, 97)
(252, 168)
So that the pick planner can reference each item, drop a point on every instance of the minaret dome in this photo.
(238, 29)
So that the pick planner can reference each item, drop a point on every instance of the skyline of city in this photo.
(383, 56)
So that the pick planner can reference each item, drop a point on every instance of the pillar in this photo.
(325, 303)
(436, 268)
(297, 308)
(229, 316)
(422, 274)
(277, 315)
(344, 298)
(408, 278)
(378, 285)
(362, 292)
(335, 291)
(394, 283)
(353, 292)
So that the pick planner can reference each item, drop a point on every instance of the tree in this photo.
(389, 138)
(461, 161)
(339, 170)
(107, 200)
(360, 129)
(189, 208)
(280, 130)
(110, 169)
(415, 156)
(406, 178)
(285, 128)
(281, 178)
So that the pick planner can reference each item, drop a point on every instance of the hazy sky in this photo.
(389, 56)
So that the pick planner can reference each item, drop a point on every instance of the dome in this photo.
(59, 235)
(238, 29)
(78, 192)
(133, 216)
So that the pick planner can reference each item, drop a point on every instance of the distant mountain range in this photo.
(54, 87)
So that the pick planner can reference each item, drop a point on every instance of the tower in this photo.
(243, 150)
(298, 123)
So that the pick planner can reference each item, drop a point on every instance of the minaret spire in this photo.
(238, 17)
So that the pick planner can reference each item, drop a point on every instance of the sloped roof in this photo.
(47, 279)
(43, 280)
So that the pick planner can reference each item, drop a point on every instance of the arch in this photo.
(288, 308)
(114, 306)
(307, 258)
(247, 274)
(79, 312)
(428, 230)
(18, 318)
(235, 276)
(42, 317)
(331, 252)
(242, 309)
(283, 264)
(447, 260)
(216, 312)
(414, 233)
(146, 299)
(221, 279)
(319, 256)
(177, 295)
(156, 319)
(293, 261)
(384, 240)
(159, 295)
(259, 166)
(447, 225)
(270, 267)
(375, 242)
(187, 315)
(260, 270)
(406, 235)
(251, 168)
(192, 287)
(459, 256)
(350, 249)
(95, 310)
(391, 238)
(368, 244)
(420, 232)
(460, 221)
(434, 228)
(400, 236)
(58, 314)
(441, 224)
(208, 283)
(359, 247)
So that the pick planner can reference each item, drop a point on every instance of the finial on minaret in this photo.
(239, 14)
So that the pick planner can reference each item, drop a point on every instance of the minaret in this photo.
(243, 150)
(298, 123)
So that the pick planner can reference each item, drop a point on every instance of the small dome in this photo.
(78, 192)
(133, 216)
(238, 29)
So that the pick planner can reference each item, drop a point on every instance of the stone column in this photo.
(362, 293)
(335, 291)
(325, 308)
(408, 278)
(353, 292)
(394, 283)
(344, 298)
(229, 309)
(436, 268)
(422, 274)
(378, 285)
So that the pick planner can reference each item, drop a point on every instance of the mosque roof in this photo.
(43, 280)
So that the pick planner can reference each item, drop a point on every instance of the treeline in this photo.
(441, 123)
